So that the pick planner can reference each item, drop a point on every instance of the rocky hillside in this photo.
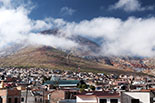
(48, 57)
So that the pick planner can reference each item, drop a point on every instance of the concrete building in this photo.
(138, 97)
(32, 96)
(98, 97)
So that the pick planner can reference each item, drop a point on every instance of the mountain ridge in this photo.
(48, 57)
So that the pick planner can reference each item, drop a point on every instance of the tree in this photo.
(92, 87)
(82, 85)
(82, 89)
(45, 79)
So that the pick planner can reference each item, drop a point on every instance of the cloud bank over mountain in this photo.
(135, 36)
(132, 37)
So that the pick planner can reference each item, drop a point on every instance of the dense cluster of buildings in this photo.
(41, 85)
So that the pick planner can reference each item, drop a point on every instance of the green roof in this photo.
(64, 82)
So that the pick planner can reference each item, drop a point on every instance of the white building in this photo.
(32, 96)
(137, 97)
(98, 97)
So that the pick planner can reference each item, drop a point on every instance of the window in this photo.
(40, 100)
(35, 99)
(16, 100)
(135, 101)
(153, 99)
(103, 100)
(22, 99)
(113, 100)
(1, 100)
(9, 100)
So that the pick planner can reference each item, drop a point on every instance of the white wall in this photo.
(108, 99)
(144, 97)
(93, 99)
(29, 99)
(86, 99)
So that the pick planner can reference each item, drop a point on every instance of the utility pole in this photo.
(27, 85)
(43, 95)
(26, 94)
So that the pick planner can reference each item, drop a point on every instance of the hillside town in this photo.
(41, 85)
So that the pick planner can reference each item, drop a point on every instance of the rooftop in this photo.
(100, 94)
(64, 82)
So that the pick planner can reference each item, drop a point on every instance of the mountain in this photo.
(85, 56)
(90, 50)
(11, 49)
(137, 64)
(48, 57)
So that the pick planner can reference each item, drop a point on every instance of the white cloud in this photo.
(130, 6)
(16, 27)
(135, 36)
(50, 40)
(6, 2)
(41, 25)
(67, 11)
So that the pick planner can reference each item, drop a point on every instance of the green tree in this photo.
(92, 87)
(82, 85)
(45, 79)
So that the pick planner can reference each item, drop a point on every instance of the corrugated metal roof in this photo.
(63, 82)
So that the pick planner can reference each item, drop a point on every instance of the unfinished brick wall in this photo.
(14, 92)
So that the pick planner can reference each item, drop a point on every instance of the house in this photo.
(98, 97)
(10, 95)
(143, 96)
(63, 96)
(31, 96)
(56, 81)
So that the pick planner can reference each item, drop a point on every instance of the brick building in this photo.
(10, 96)
(59, 95)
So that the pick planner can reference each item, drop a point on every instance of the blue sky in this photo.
(77, 10)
